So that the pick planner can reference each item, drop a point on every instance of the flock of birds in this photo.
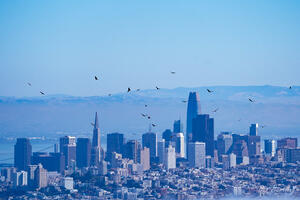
(157, 88)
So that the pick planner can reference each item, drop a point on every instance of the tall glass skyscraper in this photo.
(22, 152)
(149, 140)
(203, 131)
(177, 126)
(193, 109)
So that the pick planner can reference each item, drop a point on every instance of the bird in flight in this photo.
(209, 91)
(28, 83)
(149, 117)
(144, 115)
(42, 93)
(138, 90)
(215, 110)
(263, 126)
(290, 87)
(251, 100)
(92, 124)
(157, 88)
(184, 101)
(96, 78)
(146, 105)
(153, 125)
(172, 72)
(109, 94)
(128, 90)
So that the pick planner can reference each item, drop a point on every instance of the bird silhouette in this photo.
(157, 88)
(209, 91)
(92, 124)
(149, 117)
(215, 110)
(138, 90)
(290, 87)
(42, 93)
(96, 78)
(263, 126)
(29, 84)
(251, 100)
(146, 105)
(144, 115)
(128, 90)
(172, 72)
(153, 125)
(184, 101)
(109, 94)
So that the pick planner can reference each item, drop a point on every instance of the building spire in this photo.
(96, 124)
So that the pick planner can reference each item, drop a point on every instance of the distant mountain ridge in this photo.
(278, 108)
(233, 93)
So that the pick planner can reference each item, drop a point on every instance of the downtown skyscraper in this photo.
(193, 109)
(203, 131)
(96, 143)
(22, 153)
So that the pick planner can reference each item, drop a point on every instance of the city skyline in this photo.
(149, 100)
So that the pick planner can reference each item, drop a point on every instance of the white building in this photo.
(170, 158)
(145, 158)
(232, 160)
(161, 151)
(246, 160)
(19, 178)
(68, 183)
(237, 191)
(197, 154)
(180, 145)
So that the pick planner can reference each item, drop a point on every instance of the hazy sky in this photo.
(59, 46)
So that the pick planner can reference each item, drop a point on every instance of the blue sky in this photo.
(59, 46)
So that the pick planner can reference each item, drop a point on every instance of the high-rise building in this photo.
(145, 158)
(232, 160)
(203, 131)
(254, 147)
(7, 173)
(96, 133)
(31, 176)
(67, 147)
(19, 179)
(177, 126)
(179, 145)
(167, 135)
(224, 143)
(51, 162)
(287, 143)
(193, 109)
(22, 153)
(253, 130)
(40, 175)
(197, 156)
(225, 162)
(270, 148)
(131, 150)
(83, 152)
(103, 168)
(239, 148)
(96, 144)
(149, 140)
(170, 158)
(115, 143)
(161, 151)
